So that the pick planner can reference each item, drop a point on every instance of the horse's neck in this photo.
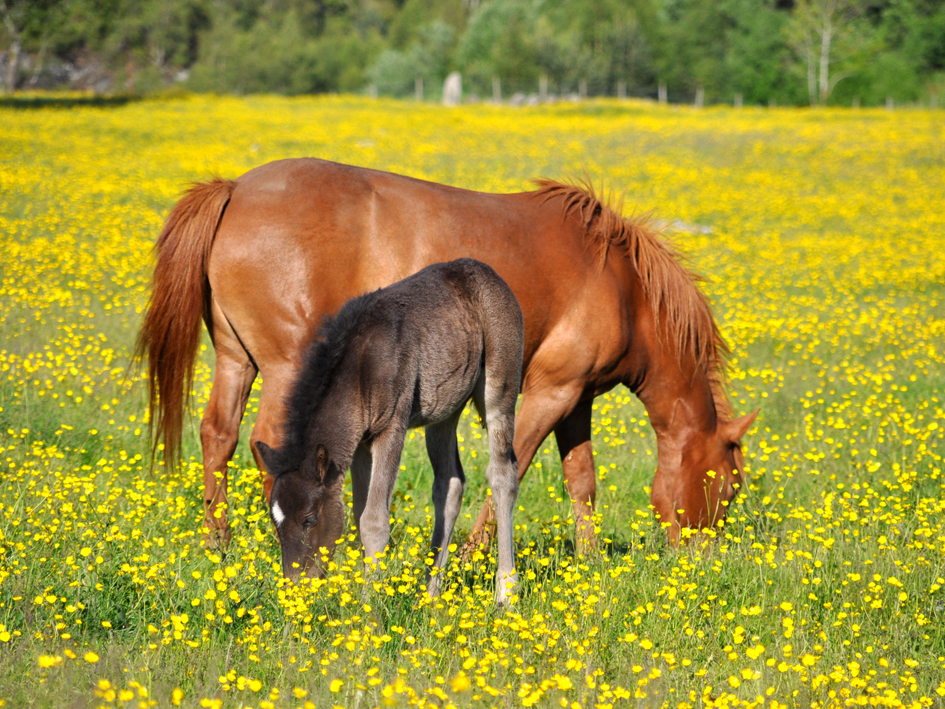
(677, 396)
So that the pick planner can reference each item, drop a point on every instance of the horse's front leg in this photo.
(577, 463)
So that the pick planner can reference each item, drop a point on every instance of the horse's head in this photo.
(306, 507)
(698, 476)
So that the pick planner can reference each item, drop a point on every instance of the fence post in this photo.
(582, 88)
(543, 88)
(418, 88)
(889, 103)
(662, 93)
(621, 90)
(738, 100)
(496, 90)
(372, 90)
(700, 96)
(856, 102)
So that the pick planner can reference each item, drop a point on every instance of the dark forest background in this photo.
(763, 51)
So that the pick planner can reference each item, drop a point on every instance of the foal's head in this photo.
(306, 507)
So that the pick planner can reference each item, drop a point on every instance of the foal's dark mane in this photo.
(319, 366)
(668, 284)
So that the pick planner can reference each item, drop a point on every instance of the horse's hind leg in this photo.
(449, 483)
(233, 378)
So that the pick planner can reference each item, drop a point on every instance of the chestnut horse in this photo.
(264, 258)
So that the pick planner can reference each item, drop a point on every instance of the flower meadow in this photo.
(820, 236)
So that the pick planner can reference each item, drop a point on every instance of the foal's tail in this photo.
(180, 296)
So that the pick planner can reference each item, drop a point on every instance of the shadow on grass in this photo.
(31, 102)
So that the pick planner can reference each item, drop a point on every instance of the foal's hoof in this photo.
(506, 588)
(215, 538)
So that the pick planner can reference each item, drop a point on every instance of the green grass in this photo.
(826, 272)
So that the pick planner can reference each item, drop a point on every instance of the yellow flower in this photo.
(460, 682)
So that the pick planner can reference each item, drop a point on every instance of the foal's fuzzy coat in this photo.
(408, 355)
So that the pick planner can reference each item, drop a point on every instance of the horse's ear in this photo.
(321, 461)
(736, 428)
(266, 456)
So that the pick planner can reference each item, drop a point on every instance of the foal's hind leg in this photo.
(449, 482)
(502, 474)
(541, 411)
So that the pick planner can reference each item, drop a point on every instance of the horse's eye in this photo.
(310, 521)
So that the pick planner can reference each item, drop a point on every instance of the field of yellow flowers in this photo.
(824, 260)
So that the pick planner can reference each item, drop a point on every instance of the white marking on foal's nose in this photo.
(277, 514)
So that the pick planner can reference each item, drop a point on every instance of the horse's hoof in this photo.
(586, 546)
(477, 542)
(216, 538)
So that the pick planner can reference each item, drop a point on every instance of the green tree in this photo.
(499, 41)
(758, 62)
(427, 58)
(693, 46)
(832, 41)
(26, 25)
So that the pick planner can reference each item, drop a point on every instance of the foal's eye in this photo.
(310, 521)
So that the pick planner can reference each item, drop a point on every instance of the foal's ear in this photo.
(321, 461)
(266, 456)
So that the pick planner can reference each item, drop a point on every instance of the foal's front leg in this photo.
(449, 482)
(360, 481)
(374, 523)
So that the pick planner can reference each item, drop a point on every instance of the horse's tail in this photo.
(180, 295)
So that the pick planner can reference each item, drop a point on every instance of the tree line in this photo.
(790, 52)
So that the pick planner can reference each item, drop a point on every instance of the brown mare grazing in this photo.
(264, 258)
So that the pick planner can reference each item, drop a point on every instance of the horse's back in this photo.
(300, 237)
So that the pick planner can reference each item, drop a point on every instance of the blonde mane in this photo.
(669, 286)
